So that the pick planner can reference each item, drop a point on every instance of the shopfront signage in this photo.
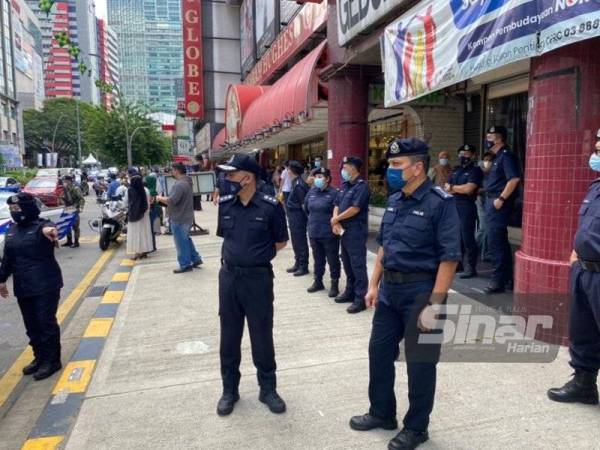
(247, 44)
(438, 44)
(354, 16)
(192, 59)
(311, 18)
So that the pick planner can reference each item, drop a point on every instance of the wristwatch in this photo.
(502, 198)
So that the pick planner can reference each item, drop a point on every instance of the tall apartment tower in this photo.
(109, 61)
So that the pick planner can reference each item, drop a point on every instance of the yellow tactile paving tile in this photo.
(98, 328)
(128, 262)
(112, 297)
(45, 443)
(121, 276)
(75, 377)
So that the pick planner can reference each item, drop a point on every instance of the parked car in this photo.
(48, 189)
(9, 184)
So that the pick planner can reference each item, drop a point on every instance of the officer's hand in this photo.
(333, 222)
(427, 319)
(51, 233)
(498, 203)
(371, 298)
(3, 290)
(337, 229)
(447, 187)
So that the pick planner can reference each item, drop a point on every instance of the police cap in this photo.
(241, 161)
(21, 199)
(321, 171)
(406, 147)
(498, 129)
(355, 161)
(467, 148)
(296, 167)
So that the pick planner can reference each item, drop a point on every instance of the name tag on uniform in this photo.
(260, 219)
(418, 213)
(390, 209)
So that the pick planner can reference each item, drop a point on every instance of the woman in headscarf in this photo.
(139, 235)
(150, 182)
(440, 173)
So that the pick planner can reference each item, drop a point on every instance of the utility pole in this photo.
(127, 140)
(78, 134)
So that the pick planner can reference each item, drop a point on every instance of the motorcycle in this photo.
(112, 223)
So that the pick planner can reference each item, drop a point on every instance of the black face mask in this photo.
(29, 212)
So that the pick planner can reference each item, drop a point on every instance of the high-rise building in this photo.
(149, 37)
(109, 61)
(62, 76)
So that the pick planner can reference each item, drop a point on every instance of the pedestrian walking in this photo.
(150, 182)
(180, 208)
(440, 173)
(351, 221)
(584, 321)
(319, 205)
(73, 199)
(502, 184)
(416, 261)
(464, 183)
(139, 231)
(253, 227)
(37, 281)
(297, 219)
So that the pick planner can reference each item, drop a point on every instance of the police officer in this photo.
(502, 183)
(319, 205)
(584, 325)
(298, 219)
(73, 199)
(464, 183)
(417, 258)
(351, 221)
(254, 230)
(37, 280)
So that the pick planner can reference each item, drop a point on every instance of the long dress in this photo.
(139, 233)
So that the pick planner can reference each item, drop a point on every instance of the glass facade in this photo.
(7, 80)
(154, 25)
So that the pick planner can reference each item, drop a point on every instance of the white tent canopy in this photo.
(90, 160)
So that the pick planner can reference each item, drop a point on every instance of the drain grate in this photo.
(96, 291)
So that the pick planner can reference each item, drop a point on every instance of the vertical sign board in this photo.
(266, 24)
(248, 49)
(192, 59)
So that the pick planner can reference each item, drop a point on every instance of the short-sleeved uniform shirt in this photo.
(355, 194)
(504, 168)
(587, 237)
(420, 231)
(469, 173)
(319, 205)
(250, 232)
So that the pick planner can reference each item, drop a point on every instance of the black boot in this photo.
(469, 272)
(346, 297)
(69, 242)
(408, 440)
(226, 403)
(316, 286)
(302, 270)
(334, 291)
(47, 369)
(75, 245)
(32, 367)
(582, 388)
(293, 268)
(272, 399)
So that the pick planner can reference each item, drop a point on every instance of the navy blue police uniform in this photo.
(319, 204)
(298, 219)
(354, 240)
(504, 168)
(467, 208)
(418, 232)
(37, 281)
(250, 233)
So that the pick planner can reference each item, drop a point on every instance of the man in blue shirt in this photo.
(417, 258)
(351, 221)
(502, 185)
(113, 186)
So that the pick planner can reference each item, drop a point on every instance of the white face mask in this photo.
(444, 161)
(487, 165)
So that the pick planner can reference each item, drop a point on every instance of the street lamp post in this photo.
(56, 128)
(130, 142)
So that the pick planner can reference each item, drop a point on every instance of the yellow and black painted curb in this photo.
(59, 415)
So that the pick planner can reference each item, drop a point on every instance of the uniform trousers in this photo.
(354, 259)
(39, 316)
(326, 249)
(499, 248)
(298, 222)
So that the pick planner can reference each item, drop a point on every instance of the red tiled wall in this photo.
(559, 141)
(347, 117)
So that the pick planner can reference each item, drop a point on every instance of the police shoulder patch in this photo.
(269, 199)
(441, 192)
(226, 198)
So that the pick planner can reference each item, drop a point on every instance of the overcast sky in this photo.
(101, 8)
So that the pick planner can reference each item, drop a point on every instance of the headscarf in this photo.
(29, 208)
(150, 183)
(136, 198)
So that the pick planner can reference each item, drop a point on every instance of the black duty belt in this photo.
(246, 270)
(391, 277)
(592, 266)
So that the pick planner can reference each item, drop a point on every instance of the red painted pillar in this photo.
(563, 118)
(347, 117)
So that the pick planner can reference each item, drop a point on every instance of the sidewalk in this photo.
(158, 380)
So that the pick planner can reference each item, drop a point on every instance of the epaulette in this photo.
(441, 192)
(226, 198)
(269, 199)
(595, 181)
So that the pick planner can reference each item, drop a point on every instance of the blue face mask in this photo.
(463, 160)
(345, 175)
(317, 164)
(595, 162)
(394, 179)
(231, 188)
(320, 183)
(489, 144)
